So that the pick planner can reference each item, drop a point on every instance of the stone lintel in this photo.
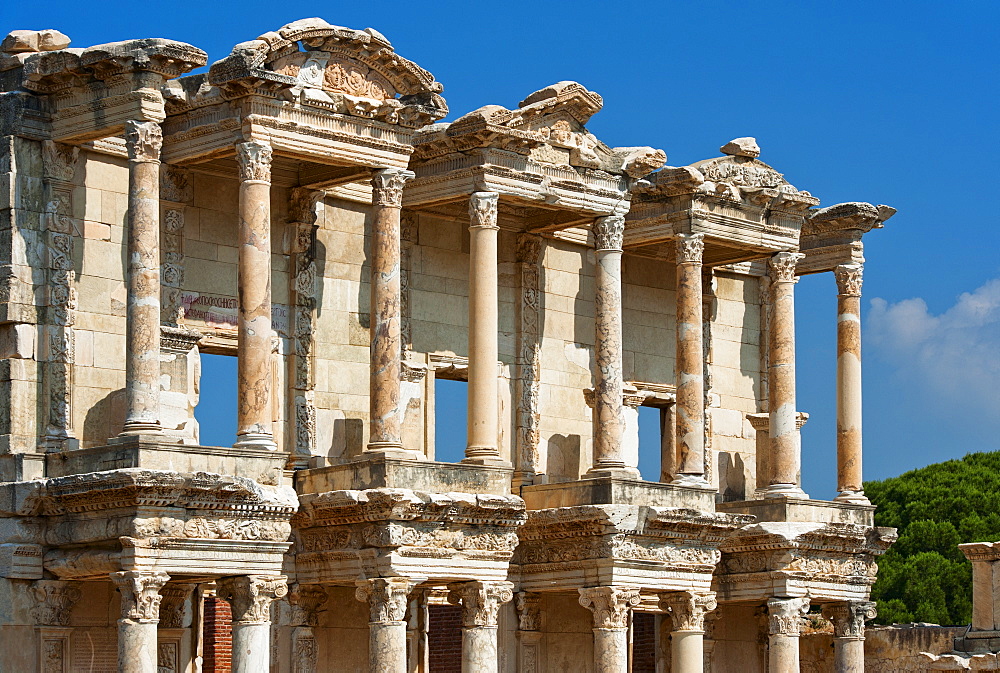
(379, 471)
(613, 491)
(786, 509)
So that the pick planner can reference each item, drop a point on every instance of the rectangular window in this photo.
(451, 412)
(216, 410)
(651, 429)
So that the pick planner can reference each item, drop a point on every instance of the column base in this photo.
(390, 450)
(621, 472)
(853, 498)
(254, 440)
(141, 428)
(695, 480)
(484, 455)
(785, 491)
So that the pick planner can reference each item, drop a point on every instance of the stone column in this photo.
(142, 318)
(849, 633)
(786, 445)
(484, 404)
(611, 607)
(253, 428)
(250, 599)
(53, 603)
(304, 601)
(849, 278)
(140, 601)
(609, 420)
(529, 637)
(386, 342)
(690, 374)
(688, 611)
(784, 622)
(480, 603)
(387, 598)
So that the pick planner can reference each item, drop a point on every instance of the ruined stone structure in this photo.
(300, 207)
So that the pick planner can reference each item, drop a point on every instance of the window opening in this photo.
(651, 428)
(216, 410)
(451, 412)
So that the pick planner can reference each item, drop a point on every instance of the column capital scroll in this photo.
(688, 609)
(785, 615)
(254, 161)
(849, 279)
(140, 592)
(483, 209)
(386, 597)
(609, 233)
(387, 186)
(781, 266)
(849, 618)
(250, 596)
(480, 601)
(610, 605)
(143, 141)
(690, 248)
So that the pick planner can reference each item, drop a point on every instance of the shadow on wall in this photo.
(104, 419)
(563, 458)
(732, 476)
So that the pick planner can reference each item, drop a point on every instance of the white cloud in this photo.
(952, 359)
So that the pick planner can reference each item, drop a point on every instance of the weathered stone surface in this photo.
(19, 41)
(741, 147)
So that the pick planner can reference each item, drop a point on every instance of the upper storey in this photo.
(551, 173)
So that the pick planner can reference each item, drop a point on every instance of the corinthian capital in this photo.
(387, 186)
(849, 278)
(483, 209)
(690, 248)
(143, 141)
(529, 611)
(480, 601)
(610, 605)
(783, 266)
(250, 596)
(688, 610)
(785, 615)
(386, 596)
(140, 591)
(254, 161)
(849, 618)
(609, 232)
(54, 599)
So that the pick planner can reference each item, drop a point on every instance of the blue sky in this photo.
(885, 102)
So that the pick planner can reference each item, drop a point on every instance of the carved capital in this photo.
(306, 600)
(529, 611)
(143, 141)
(54, 600)
(690, 248)
(529, 249)
(250, 596)
(609, 232)
(387, 186)
(483, 210)
(610, 605)
(849, 278)
(785, 615)
(782, 266)
(174, 613)
(302, 205)
(254, 161)
(849, 618)
(386, 596)
(140, 592)
(480, 601)
(688, 610)
(59, 161)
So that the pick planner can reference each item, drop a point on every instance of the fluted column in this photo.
(848, 620)
(784, 621)
(386, 341)
(609, 417)
(690, 362)
(387, 598)
(142, 318)
(687, 637)
(611, 607)
(480, 603)
(253, 423)
(849, 451)
(484, 405)
(250, 598)
(786, 444)
(140, 603)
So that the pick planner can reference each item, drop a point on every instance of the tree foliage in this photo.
(924, 577)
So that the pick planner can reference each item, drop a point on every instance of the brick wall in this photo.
(643, 642)
(444, 638)
(218, 636)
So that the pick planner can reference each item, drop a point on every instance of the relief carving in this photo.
(140, 594)
(254, 161)
(386, 597)
(610, 605)
(480, 601)
(609, 232)
(387, 186)
(54, 600)
(143, 141)
(250, 596)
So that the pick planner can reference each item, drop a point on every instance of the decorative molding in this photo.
(849, 279)
(849, 618)
(528, 383)
(172, 267)
(609, 232)
(529, 611)
(690, 248)
(483, 210)
(480, 601)
(386, 597)
(143, 141)
(250, 596)
(59, 161)
(254, 161)
(54, 601)
(387, 186)
(140, 594)
(610, 605)
(782, 266)
(688, 609)
(305, 601)
(785, 615)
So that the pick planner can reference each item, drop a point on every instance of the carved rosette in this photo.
(386, 597)
(54, 600)
(689, 610)
(143, 141)
(782, 266)
(250, 596)
(140, 594)
(849, 618)
(305, 601)
(387, 186)
(483, 210)
(785, 616)
(529, 611)
(254, 161)
(690, 248)
(480, 601)
(610, 605)
(849, 278)
(609, 233)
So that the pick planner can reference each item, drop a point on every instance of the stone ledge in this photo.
(798, 510)
(613, 491)
(426, 476)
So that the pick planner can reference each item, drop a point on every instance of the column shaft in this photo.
(610, 650)
(387, 599)
(480, 603)
(611, 607)
(609, 418)
(784, 616)
(386, 342)
(687, 653)
(848, 619)
(688, 611)
(142, 318)
(849, 655)
(140, 610)
(849, 448)
(690, 361)
(484, 405)
(786, 447)
(254, 413)
(250, 598)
